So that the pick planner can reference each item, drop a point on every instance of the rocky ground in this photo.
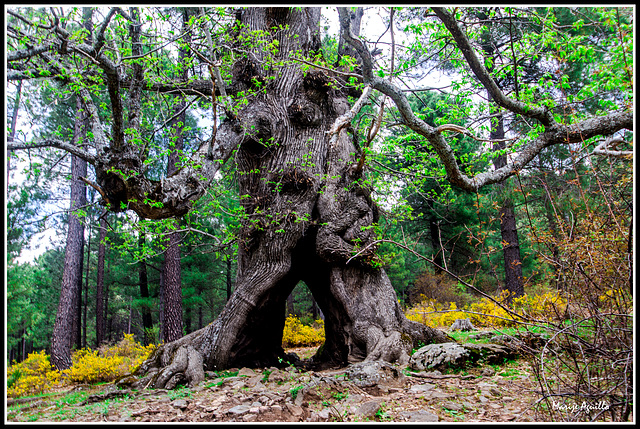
(359, 393)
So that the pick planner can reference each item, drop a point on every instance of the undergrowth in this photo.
(296, 334)
(545, 307)
(36, 374)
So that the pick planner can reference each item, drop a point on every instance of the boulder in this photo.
(438, 356)
(374, 373)
(457, 356)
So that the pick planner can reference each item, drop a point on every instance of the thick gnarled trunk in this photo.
(307, 216)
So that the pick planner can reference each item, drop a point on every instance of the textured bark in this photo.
(177, 193)
(513, 281)
(100, 301)
(436, 241)
(307, 215)
(72, 273)
(147, 320)
(85, 303)
(173, 322)
(76, 326)
(229, 281)
(172, 296)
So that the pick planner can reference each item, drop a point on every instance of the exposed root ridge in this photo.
(169, 367)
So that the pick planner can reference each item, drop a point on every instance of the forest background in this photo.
(557, 236)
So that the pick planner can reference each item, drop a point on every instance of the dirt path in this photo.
(483, 394)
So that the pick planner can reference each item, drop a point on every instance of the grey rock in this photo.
(238, 384)
(421, 388)
(483, 385)
(240, 409)
(339, 411)
(438, 355)
(216, 382)
(255, 381)
(246, 372)
(294, 409)
(419, 416)
(450, 405)
(320, 416)
(249, 417)
(180, 403)
(488, 372)
(277, 376)
(354, 399)
(368, 409)
(468, 405)
(367, 374)
(434, 394)
(481, 335)
(454, 355)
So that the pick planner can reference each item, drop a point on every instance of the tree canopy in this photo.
(134, 59)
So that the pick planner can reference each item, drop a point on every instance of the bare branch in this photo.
(541, 114)
(23, 54)
(608, 147)
(59, 144)
(344, 120)
(347, 33)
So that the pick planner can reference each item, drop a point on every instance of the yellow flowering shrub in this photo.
(433, 313)
(296, 334)
(109, 363)
(486, 313)
(36, 374)
(545, 306)
(32, 376)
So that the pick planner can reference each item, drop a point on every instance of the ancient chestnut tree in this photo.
(283, 113)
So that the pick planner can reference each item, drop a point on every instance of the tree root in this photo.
(169, 366)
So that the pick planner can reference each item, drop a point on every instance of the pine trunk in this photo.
(143, 278)
(513, 282)
(62, 336)
(100, 301)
